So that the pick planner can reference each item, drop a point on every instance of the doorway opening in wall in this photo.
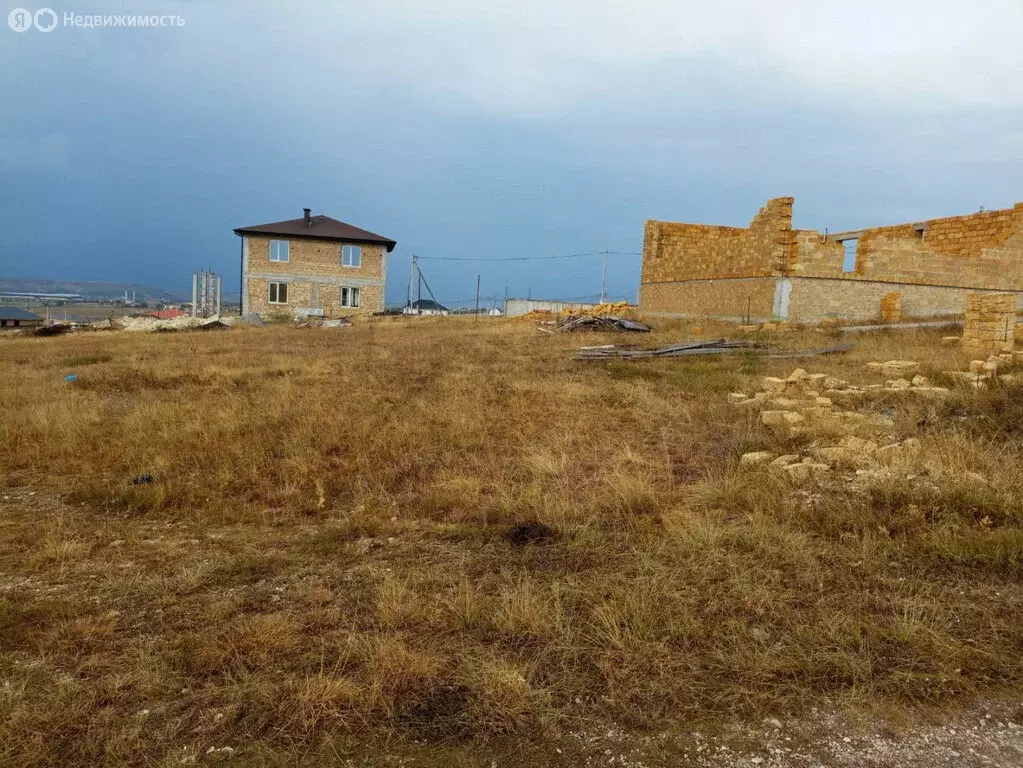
(851, 247)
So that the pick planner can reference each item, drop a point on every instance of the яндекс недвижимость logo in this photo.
(22, 19)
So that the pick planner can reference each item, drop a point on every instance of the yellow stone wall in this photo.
(313, 266)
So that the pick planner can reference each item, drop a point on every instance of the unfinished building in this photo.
(770, 271)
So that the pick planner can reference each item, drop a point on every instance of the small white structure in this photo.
(516, 307)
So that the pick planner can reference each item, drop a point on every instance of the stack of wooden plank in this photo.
(689, 349)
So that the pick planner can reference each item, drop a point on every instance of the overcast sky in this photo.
(494, 129)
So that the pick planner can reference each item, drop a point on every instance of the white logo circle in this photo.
(20, 20)
(44, 24)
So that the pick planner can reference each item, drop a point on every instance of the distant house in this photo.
(425, 307)
(13, 317)
(315, 265)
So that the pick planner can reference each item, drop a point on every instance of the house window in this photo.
(278, 250)
(851, 246)
(351, 255)
(278, 293)
(349, 297)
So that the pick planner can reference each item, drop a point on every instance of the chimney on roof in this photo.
(308, 217)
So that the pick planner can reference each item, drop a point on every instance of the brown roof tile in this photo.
(320, 227)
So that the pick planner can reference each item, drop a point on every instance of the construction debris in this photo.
(718, 347)
(982, 373)
(895, 369)
(183, 323)
(54, 329)
(807, 400)
(250, 318)
(341, 322)
(851, 454)
(595, 323)
(607, 309)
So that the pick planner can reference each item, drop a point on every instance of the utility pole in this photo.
(603, 279)
(411, 274)
(477, 299)
(419, 291)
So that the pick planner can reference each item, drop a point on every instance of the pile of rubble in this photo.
(983, 373)
(794, 405)
(855, 454)
(184, 322)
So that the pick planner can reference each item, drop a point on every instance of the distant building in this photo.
(425, 307)
(13, 317)
(315, 265)
(516, 307)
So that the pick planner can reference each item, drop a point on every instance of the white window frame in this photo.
(352, 251)
(350, 296)
(269, 292)
(275, 252)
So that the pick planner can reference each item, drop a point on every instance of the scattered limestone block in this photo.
(1017, 356)
(830, 382)
(951, 341)
(977, 366)
(806, 470)
(932, 393)
(757, 457)
(797, 375)
(897, 384)
(781, 418)
(990, 368)
(784, 460)
(853, 452)
(771, 384)
(816, 380)
(907, 449)
(1008, 379)
(749, 328)
(769, 327)
(920, 381)
(737, 397)
(788, 404)
(895, 368)
(859, 445)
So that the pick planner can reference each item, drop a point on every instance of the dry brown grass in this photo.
(324, 561)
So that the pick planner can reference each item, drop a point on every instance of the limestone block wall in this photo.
(688, 268)
(314, 275)
(891, 307)
(730, 299)
(300, 297)
(816, 299)
(673, 251)
(979, 251)
(990, 323)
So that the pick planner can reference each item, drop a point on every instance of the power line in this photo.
(529, 258)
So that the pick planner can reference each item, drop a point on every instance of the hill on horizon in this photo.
(89, 289)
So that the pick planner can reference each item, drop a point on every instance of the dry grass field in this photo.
(446, 541)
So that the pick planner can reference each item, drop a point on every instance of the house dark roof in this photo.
(320, 227)
(425, 304)
(15, 313)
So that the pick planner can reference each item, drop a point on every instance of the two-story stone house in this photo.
(315, 265)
